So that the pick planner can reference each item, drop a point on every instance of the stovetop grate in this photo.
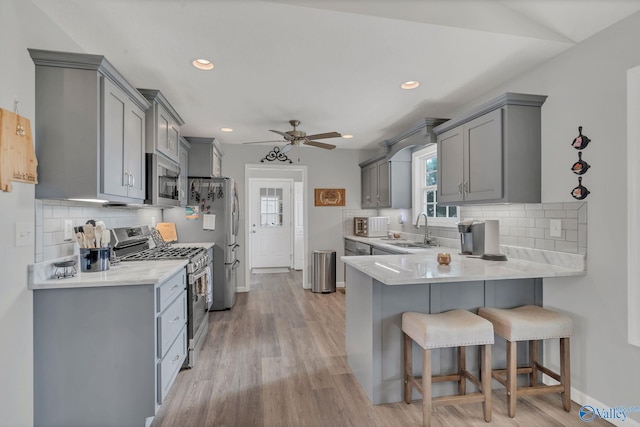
(165, 252)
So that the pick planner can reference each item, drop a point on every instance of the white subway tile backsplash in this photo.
(60, 212)
(50, 225)
(554, 213)
(526, 242)
(548, 245)
(527, 225)
(565, 246)
(536, 233)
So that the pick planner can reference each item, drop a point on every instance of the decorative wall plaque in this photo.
(330, 197)
(276, 154)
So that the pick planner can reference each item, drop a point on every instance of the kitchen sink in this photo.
(411, 245)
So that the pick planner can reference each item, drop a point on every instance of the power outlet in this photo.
(67, 230)
(555, 226)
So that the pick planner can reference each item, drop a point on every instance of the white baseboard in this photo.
(583, 399)
(269, 270)
(340, 284)
(242, 289)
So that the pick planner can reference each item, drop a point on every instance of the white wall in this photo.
(587, 86)
(325, 169)
(18, 18)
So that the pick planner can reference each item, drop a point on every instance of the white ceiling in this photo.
(335, 65)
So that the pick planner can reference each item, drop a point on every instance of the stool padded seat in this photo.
(529, 322)
(455, 328)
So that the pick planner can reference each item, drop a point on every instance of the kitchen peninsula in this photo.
(380, 288)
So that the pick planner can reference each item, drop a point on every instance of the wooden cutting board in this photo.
(17, 155)
(168, 231)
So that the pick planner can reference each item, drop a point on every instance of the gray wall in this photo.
(17, 73)
(587, 86)
(325, 169)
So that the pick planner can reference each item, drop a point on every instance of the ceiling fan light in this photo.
(226, 129)
(286, 148)
(411, 84)
(202, 64)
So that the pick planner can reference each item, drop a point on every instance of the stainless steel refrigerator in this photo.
(212, 215)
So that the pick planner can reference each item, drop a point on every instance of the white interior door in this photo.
(271, 223)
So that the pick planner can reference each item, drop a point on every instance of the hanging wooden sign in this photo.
(18, 161)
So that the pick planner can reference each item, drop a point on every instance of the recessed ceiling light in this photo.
(347, 136)
(202, 64)
(226, 129)
(410, 84)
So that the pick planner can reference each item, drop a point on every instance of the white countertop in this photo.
(385, 243)
(423, 268)
(122, 274)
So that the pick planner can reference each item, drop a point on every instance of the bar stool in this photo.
(534, 324)
(455, 328)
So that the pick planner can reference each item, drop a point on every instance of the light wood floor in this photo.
(278, 359)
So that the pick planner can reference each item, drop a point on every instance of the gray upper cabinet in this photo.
(162, 125)
(386, 180)
(386, 183)
(183, 155)
(90, 124)
(205, 157)
(492, 154)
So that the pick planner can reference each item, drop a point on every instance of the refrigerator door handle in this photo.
(235, 246)
(234, 264)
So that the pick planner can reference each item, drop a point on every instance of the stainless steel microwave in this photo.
(370, 226)
(163, 181)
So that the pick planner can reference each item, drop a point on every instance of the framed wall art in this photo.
(329, 197)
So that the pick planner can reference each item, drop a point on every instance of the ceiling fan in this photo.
(295, 137)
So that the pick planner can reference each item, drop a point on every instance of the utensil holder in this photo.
(94, 259)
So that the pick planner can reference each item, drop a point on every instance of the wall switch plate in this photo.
(555, 226)
(67, 230)
(24, 234)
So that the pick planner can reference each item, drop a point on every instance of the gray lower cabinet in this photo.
(107, 355)
(492, 154)
(90, 124)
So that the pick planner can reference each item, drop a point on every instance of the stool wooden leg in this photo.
(485, 363)
(426, 387)
(462, 364)
(565, 373)
(533, 360)
(408, 368)
(512, 377)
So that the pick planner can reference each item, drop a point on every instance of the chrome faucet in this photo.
(427, 240)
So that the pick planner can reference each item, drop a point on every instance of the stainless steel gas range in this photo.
(143, 244)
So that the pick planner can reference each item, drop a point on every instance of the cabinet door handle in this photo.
(459, 188)
(175, 319)
(175, 359)
(466, 187)
(126, 178)
(133, 180)
(174, 287)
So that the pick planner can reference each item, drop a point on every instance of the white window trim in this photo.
(416, 196)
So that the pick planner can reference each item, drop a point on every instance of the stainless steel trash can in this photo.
(324, 271)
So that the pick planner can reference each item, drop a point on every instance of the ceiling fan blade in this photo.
(284, 135)
(261, 142)
(320, 145)
(324, 135)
